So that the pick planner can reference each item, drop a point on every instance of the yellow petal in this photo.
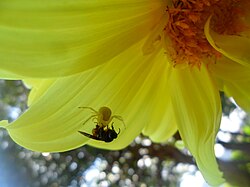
(4, 74)
(57, 38)
(4, 123)
(234, 47)
(162, 127)
(38, 88)
(234, 79)
(229, 70)
(240, 91)
(162, 124)
(197, 110)
(126, 85)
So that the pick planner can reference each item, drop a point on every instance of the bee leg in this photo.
(119, 131)
(112, 126)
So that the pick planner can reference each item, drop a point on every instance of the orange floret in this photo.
(185, 28)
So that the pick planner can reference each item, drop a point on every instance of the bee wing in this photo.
(89, 135)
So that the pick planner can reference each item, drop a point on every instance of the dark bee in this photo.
(102, 134)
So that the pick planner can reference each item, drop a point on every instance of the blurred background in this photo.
(142, 164)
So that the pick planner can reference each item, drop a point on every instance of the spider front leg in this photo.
(86, 107)
(94, 116)
(119, 118)
(89, 118)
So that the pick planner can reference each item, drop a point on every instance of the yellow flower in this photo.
(159, 64)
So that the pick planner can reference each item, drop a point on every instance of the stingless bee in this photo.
(99, 133)
(102, 131)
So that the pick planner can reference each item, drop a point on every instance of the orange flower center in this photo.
(185, 28)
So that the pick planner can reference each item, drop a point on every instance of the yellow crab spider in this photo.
(103, 116)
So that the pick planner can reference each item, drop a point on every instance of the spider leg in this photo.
(119, 118)
(88, 119)
(89, 135)
(95, 118)
(86, 107)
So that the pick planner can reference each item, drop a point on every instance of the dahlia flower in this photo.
(157, 64)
